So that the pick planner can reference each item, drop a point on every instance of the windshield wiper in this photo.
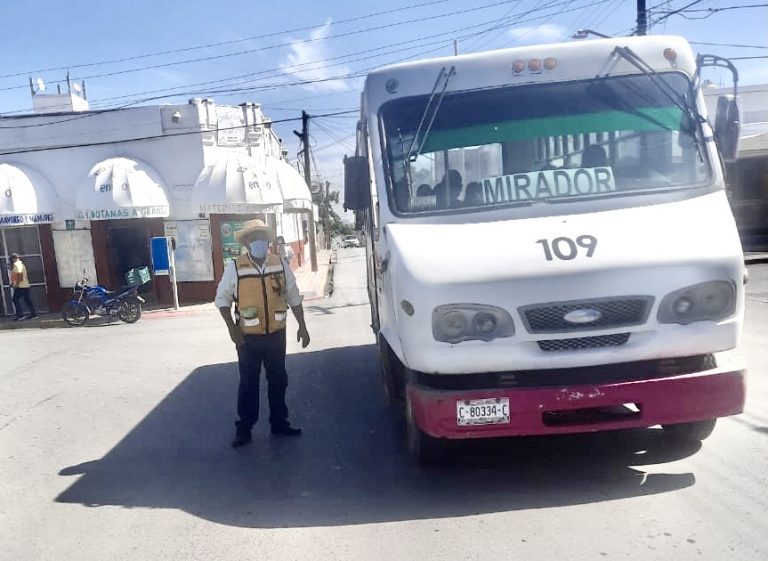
(693, 117)
(437, 98)
(663, 86)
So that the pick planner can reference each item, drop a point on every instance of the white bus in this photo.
(550, 246)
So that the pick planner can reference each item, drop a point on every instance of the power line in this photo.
(266, 87)
(285, 44)
(729, 45)
(709, 12)
(223, 43)
(158, 136)
(243, 77)
(673, 12)
(337, 138)
(281, 74)
(517, 19)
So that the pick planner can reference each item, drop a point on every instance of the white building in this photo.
(84, 191)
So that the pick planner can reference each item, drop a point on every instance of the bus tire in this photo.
(424, 450)
(690, 432)
(392, 373)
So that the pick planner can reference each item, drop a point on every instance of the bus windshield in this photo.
(555, 142)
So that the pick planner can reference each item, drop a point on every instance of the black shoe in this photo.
(21, 318)
(286, 430)
(241, 440)
(33, 316)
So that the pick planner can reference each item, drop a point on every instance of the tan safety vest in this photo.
(260, 304)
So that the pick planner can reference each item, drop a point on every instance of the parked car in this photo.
(351, 241)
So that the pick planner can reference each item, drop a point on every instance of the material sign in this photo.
(548, 184)
(229, 245)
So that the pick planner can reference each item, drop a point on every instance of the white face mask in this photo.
(258, 249)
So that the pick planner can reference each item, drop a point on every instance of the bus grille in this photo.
(580, 343)
(623, 312)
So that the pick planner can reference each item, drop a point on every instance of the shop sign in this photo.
(231, 126)
(25, 219)
(160, 211)
(236, 208)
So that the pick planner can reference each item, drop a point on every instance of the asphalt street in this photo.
(114, 444)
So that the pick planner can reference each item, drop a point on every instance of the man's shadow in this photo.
(350, 466)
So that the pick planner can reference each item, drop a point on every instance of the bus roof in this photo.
(576, 60)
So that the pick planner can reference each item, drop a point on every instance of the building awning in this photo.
(26, 197)
(295, 192)
(236, 184)
(122, 188)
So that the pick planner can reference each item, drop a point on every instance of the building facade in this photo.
(84, 191)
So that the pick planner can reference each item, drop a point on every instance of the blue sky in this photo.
(322, 46)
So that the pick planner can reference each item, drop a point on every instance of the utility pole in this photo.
(642, 18)
(304, 137)
(455, 47)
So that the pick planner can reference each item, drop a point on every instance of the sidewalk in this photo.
(311, 285)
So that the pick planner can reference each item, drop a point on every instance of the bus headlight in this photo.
(708, 301)
(454, 323)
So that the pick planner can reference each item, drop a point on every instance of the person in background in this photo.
(262, 287)
(283, 251)
(449, 190)
(21, 288)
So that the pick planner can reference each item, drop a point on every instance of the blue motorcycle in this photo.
(97, 300)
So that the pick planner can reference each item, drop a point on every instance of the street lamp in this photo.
(584, 33)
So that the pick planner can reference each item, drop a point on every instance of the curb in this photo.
(32, 324)
(755, 258)
(331, 269)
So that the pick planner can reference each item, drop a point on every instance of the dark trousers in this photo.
(20, 294)
(270, 351)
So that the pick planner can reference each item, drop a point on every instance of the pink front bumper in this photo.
(679, 399)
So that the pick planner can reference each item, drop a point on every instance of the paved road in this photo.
(114, 445)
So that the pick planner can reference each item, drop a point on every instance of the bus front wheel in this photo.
(424, 449)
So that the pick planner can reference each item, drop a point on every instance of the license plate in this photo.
(492, 411)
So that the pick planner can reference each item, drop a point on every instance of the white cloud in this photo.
(544, 33)
(309, 61)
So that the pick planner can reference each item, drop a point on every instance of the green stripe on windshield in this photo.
(646, 119)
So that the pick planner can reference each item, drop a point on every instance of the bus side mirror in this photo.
(357, 183)
(727, 127)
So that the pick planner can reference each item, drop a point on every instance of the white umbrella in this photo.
(122, 188)
(236, 184)
(26, 196)
(295, 192)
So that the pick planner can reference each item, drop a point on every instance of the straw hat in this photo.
(254, 226)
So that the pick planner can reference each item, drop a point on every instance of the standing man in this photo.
(20, 284)
(262, 288)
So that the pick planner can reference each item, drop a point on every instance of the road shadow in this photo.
(350, 466)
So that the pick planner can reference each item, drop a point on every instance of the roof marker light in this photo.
(534, 65)
(670, 54)
(518, 66)
(550, 63)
